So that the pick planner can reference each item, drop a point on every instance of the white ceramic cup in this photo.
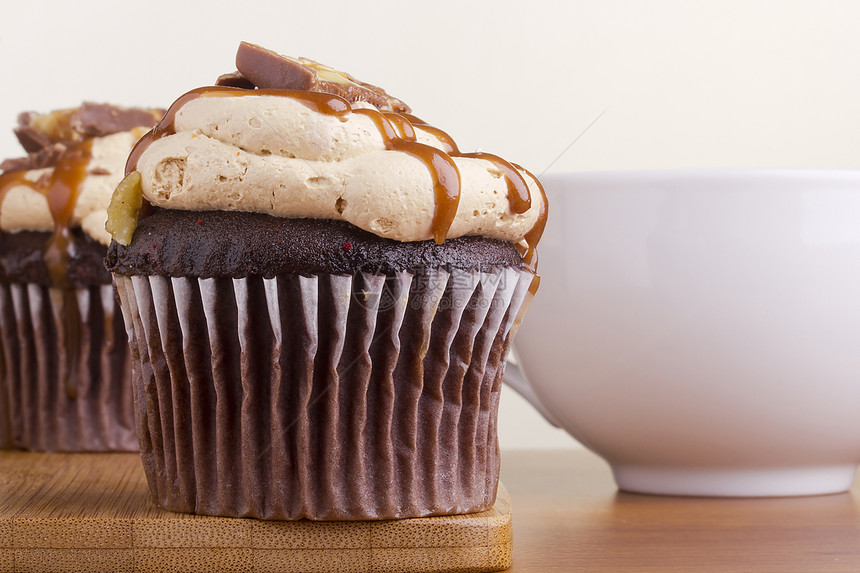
(700, 330)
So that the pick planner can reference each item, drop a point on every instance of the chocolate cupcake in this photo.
(64, 368)
(320, 291)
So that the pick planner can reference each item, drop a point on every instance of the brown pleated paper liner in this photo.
(64, 370)
(324, 397)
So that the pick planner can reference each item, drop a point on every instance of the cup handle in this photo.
(515, 378)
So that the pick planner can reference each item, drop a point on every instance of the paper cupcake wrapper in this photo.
(64, 370)
(324, 397)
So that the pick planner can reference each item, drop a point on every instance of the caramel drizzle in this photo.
(447, 140)
(446, 176)
(13, 179)
(398, 133)
(61, 189)
(532, 238)
(519, 197)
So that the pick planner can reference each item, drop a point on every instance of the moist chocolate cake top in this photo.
(236, 244)
(22, 260)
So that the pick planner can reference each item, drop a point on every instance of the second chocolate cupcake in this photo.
(64, 368)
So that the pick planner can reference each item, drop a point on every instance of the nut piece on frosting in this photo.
(124, 207)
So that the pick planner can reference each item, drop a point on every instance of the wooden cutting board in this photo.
(93, 512)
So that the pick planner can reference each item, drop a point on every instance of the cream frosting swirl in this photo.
(24, 205)
(275, 154)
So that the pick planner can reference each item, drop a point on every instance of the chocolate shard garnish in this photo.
(16, 164)
(47, 136)
(270, 70)
(47, 156)
(235, 80)
(30, 138)
(98, 119)
(36, 131)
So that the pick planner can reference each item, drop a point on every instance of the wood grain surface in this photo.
(570, 517)
(92, 512)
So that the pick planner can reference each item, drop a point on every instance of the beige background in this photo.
(679, 83)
